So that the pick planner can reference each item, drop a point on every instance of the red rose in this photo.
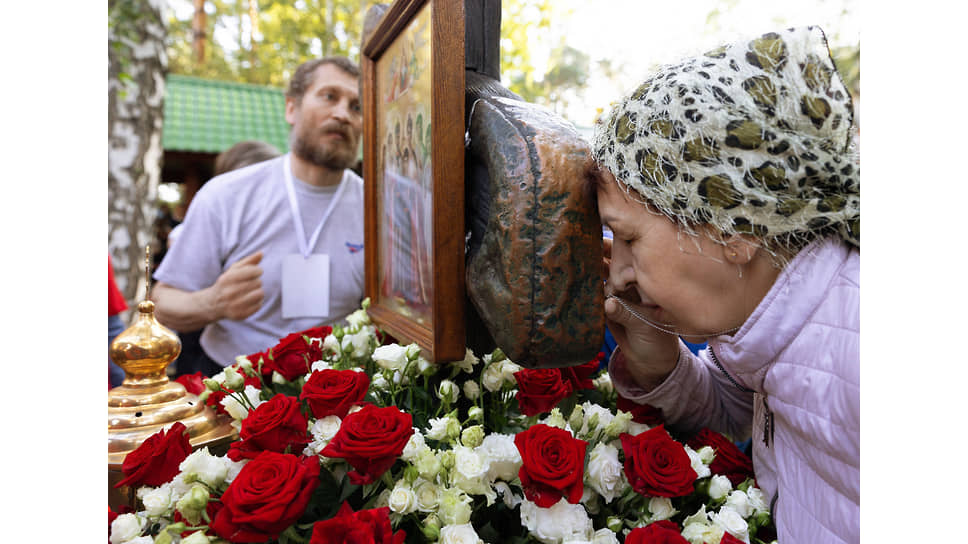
(730, 539)
(317, 332)
(292, 356)
(540, 389)
(371, 440)
(264, 368)
(580, 376)
(656, 465)
(641, 413)
(659, 532)
(192, 382)
(156, 460)
(366, 526)
(276, 425)
(332, 392)
(730, 461)
(269, 494)
(553, 465)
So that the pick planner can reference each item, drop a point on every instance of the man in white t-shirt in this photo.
(276, 247)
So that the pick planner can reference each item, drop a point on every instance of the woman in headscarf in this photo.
(730, 183)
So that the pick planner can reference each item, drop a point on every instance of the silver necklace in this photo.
(662, 327)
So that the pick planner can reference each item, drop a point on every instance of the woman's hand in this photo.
(651, 354)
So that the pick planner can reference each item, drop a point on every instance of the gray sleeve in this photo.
(195, 260)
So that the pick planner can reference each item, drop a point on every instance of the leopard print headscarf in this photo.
(751, 138)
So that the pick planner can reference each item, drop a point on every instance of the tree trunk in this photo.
(135, 111)
(198, 32)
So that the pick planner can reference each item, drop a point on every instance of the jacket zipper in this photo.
(768, 420)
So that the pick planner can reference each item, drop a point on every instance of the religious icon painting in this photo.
(413, 83)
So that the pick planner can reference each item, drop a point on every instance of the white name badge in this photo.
(305, 286)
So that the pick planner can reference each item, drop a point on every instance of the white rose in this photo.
(358, 344)
(604, 383)
(390, 356)
(448, 391)
(459, 534)
(560, 522)
(605, 473)
(661, 508)
(323, 430)
(757, 500)
(414, 446)
(198, 537)
(358, 319)
(471, 390)
(427, 495)
(379, 383)
(470, 470)
(731, 522)
(636, 428)
(402, 499)
(739, 502)
(508, 369)
(320, 365)
(413, 351)
(492, 378)
(702, 470)
(236, 409)
(232, 468)
(604, 536)
(701, 533)
(467, 364)
(157, 500)
(140, 540)
(699, 517)
(454, 507)
(503, 457)
(124, 528)
(331, 344)
(605, 416)
(204, 467)
(706, 454)
(425, 367)
(443, 428)
(719, 486)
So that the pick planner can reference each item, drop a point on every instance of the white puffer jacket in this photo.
(796, 367)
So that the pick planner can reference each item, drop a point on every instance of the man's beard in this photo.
(334, 156)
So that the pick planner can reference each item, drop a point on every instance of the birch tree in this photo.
(136, 88)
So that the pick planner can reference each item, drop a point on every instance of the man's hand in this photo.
(237, 293)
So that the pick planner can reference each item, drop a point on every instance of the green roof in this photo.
(211, 116)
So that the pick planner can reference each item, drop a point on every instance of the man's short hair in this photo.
(303, 78)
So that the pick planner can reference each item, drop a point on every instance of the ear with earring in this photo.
(738, 250)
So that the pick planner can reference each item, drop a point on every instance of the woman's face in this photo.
(675, 279)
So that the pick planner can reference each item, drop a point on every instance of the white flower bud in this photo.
(471, 390)
(719, 486)
(448, 391)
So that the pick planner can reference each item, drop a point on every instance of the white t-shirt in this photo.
(247, 210)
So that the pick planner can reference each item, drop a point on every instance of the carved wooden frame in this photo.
(443, 339)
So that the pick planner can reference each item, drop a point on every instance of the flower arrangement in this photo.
(346, 437)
